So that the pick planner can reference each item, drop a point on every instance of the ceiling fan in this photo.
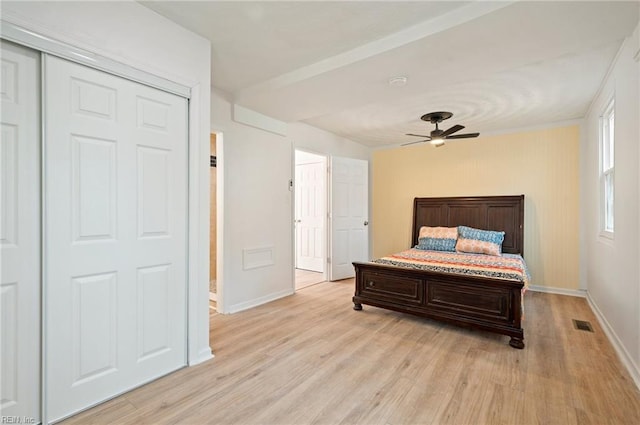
(437, 136)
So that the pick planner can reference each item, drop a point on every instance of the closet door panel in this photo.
(116, 184)
(20, 233)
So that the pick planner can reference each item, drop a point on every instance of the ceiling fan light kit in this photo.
(438, 136)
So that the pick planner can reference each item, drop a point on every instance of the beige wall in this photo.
(542, 165)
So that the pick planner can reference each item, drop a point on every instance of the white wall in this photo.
(611, 268)
(257, 203)
(113, 30)
(256, 208)
(312, 139)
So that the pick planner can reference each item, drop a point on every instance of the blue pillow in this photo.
(436, 244)
(437, 238)
(481, 235)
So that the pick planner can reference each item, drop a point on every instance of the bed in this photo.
(491, 303)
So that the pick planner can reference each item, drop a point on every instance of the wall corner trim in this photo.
(622, 352)
(255, 119)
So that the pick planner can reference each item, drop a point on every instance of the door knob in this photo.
(366, 222)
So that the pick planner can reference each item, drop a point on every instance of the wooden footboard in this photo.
(492, 305)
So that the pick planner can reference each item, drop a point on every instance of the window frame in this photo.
(606, 170)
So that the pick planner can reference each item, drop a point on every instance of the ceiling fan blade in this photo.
(464, 136)
(452, 130)
(418, 135)
(411, 143)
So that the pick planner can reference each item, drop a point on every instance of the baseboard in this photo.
(204, 355)
(259, 301)
(622, 352)
(560, 291)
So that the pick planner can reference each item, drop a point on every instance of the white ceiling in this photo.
(495, 65)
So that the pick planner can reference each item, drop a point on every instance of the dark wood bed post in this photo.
(516, 342)
(493, 305)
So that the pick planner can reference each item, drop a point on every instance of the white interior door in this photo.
(115, 235)
(349, 215)
(310, 213)
(20, 234)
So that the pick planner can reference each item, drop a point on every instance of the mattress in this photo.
(507, 266)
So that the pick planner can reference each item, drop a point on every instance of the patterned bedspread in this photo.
(508, 266)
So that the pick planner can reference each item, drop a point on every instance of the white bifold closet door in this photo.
(20, 234)
(115, 235)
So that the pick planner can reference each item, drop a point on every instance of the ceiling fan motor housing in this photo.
(436, 117)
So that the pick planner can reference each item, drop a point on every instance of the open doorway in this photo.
(310, 219)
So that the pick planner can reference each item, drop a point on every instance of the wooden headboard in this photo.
(505, 213)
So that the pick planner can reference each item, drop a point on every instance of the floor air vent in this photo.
(582, 325)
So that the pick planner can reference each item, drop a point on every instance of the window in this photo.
(607, 169)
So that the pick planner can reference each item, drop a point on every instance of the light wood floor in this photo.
(306, 278)
(310, 358)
